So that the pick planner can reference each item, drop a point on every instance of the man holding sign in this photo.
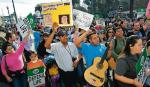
(65, 54)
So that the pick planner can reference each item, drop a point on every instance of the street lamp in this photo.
(14, 11)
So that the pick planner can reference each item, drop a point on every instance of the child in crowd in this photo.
(35, 63)
(53, 73)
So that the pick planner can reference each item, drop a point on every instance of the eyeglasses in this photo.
(9, 48)
(110, 32)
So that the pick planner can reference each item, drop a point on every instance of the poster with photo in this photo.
(59, 12)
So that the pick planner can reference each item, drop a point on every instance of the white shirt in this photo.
(30, 44)
(63, 56)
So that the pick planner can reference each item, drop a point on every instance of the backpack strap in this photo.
(115, 42)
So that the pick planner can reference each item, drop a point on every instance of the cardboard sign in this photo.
(60, 12)
(82, 19)
(36, 77)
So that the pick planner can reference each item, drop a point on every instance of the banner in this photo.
(141, 66)
(36, 77)
(148, 9)
(82, 19)
(60, 12)
(26, 24)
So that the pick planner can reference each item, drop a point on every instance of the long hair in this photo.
(130, 42)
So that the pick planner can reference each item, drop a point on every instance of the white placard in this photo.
(82, 19)
(23, 26)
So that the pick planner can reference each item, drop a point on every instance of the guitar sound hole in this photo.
(101, 79)
(99, 66)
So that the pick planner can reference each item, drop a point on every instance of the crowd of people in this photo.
(66, 53)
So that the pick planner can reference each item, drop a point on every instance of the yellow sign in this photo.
(60, 12)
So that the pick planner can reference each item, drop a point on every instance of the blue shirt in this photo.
(90, 52)
(37, 39)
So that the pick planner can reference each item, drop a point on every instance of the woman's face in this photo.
(137, 48)
(9, 49)
(110, 33)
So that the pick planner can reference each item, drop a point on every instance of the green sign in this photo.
(36, 76)
(141, 60)
(31, 20)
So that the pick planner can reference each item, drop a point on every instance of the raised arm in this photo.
(51, 36)
(22, 44)
(81, 38)
(27, 36)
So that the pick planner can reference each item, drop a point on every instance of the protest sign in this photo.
(36, 77)
(59, 12)
(31, 20)
(82, 19)
(141, 66)
(26, 24)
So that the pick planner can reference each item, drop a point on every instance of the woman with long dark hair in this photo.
(13, 65)
(109, 34)
(125, 72)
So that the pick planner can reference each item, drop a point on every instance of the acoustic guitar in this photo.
(95, 75)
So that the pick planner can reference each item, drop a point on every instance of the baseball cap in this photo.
(61, 33)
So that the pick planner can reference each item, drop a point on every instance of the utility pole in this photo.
(14, 11)
(131, 8)
(9, 14)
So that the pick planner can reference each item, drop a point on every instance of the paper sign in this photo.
(82, 19)
(36, 77)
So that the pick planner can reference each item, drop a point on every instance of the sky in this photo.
(23, 7)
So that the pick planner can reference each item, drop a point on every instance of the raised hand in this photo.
(138, 83)
(55, 26)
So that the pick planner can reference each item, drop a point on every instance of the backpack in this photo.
(115, 42)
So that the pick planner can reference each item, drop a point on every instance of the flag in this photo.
(141, 60)
(148, 9)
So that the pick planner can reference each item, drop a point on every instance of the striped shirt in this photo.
(63, 56)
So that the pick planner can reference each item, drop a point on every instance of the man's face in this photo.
(63, 39)
(141, 21)
(64, 20)
(136, 26)
(119, 32)
(94, 39)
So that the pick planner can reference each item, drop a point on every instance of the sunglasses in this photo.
(9, 48)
